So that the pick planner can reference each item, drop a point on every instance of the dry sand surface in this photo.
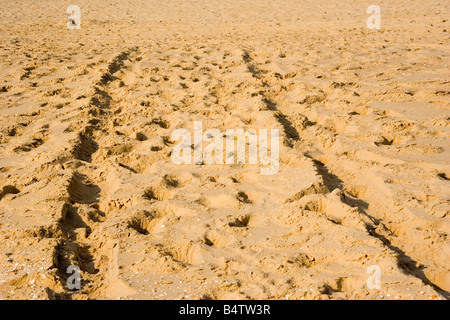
(87, 179)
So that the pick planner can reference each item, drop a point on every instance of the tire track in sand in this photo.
(84, 242)
(374, 226)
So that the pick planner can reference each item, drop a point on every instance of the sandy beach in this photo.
(87, 148)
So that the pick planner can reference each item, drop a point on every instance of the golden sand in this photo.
(87, 179)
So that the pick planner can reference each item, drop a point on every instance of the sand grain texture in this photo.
(86, 176)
